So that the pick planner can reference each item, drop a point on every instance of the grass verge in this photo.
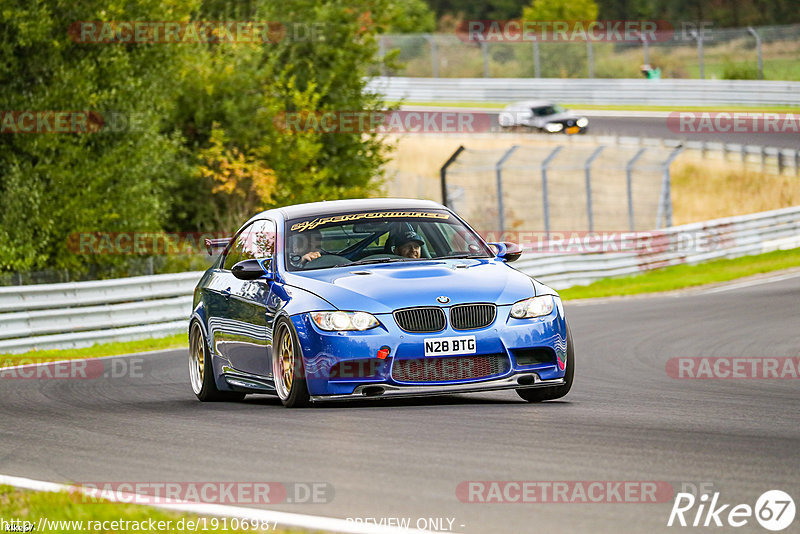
(683, 276)
(103, 349)
(73, 512)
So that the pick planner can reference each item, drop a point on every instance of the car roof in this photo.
(335, 206)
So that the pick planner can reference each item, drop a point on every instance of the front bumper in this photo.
(523, 380)
(324, 354)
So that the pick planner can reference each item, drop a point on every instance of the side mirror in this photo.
(507, 251)
(252, 270)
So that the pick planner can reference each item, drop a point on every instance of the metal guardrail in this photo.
(635, 253)
(77, 314)
(590, 91)
(82, 313)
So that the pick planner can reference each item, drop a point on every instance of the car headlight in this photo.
(533, 307)
(582, 122)
(340, 320)
(554, 127)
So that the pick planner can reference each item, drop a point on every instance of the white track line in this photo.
(282, 519)
(750, 283)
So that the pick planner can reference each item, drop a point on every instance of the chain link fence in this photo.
(770, 52)
(564, 187)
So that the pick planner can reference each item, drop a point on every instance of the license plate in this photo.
(573, 130)
(447, 346)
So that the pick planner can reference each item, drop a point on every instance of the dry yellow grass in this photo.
(712, 189)
(702, 189)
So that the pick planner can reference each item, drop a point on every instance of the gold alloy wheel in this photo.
(286, 359)
(197, 359)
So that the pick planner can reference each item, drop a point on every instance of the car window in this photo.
(459, 240)
(342, 238)
(260, 242)
(257, 241)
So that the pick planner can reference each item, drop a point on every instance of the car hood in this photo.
(382, 288)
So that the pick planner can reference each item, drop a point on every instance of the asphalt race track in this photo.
(626, 125)
(657, 128)
(625, 420)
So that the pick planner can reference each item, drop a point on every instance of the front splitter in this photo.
(380, 391)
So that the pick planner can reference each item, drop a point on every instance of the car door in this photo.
(217, 293)
(246, 346)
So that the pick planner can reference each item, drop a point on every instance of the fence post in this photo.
(646, 49)
(485, 54)
(537, 65)
(443, 173)
(498, 167)
(699, 37)
(434, 55)
(588, 171)
(797, 162)
(665, 202)
(590, 57)
(758, 52)
(382, 53)
(629, 177)
(545, 202)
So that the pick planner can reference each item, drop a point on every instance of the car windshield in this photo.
(361, 238)
(548, 110)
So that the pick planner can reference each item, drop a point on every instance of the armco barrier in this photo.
(590, 91)
(729, 237)
(82, 313)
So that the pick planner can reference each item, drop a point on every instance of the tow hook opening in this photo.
(526, 380)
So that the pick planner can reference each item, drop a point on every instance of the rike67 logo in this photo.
(774, 510)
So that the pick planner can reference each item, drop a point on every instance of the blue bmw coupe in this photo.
(372, 298)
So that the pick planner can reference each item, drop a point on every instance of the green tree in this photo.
(53, 185)
(410, 16)
(241, 91)
(561, 10)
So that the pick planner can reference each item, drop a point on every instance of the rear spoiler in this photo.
(216, 246)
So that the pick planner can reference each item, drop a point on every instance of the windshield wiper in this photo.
(376, 260)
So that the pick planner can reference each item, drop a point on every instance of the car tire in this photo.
(201, 371)
(287, 366)
(552, 393)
